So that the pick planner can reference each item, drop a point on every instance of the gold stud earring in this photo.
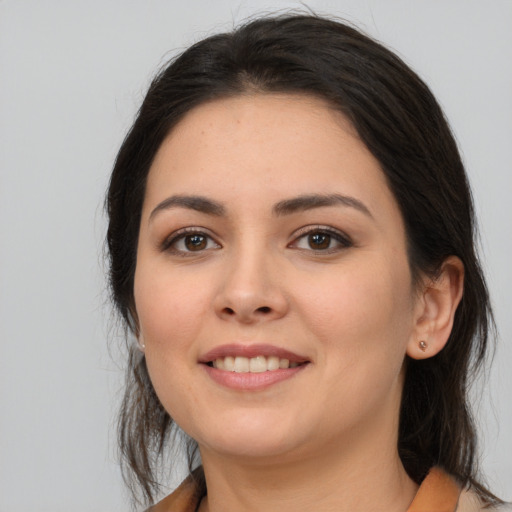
(423, 345)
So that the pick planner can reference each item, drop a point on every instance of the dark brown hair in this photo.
(399, 120)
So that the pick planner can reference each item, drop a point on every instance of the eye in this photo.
(321, 239)
(188, 241)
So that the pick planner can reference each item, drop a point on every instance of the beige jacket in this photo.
(439, 492)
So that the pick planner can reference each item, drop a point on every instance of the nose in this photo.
(251, 290)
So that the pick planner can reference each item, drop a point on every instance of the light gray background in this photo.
(72, 74)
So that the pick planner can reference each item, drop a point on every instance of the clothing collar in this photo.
(439, 492)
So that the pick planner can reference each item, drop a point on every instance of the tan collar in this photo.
(438, 493)
(183, 499)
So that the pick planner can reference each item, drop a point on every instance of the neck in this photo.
(357, 478)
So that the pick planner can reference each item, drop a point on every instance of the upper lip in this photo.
(243, 350)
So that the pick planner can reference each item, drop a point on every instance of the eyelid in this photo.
(341, 237)
(175, 236)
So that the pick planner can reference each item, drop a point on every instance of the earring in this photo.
(423, 345)
(140, 343)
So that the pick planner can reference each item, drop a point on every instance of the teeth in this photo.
(256, 364)
(229, 364)
(272, 363)
(241, 365)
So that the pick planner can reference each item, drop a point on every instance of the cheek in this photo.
(169, 308)
(363, 324)
(170, 312)
(362, 314)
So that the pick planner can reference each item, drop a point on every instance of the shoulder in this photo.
(184, 499)
(470, 502)
(505, 507)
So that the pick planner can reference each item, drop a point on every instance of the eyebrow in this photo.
(310, 201)
(197, 203)
(285, 207)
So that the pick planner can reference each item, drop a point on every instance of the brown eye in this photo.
(319, 241)
(190, 241)
(322, 240)
(195, 242)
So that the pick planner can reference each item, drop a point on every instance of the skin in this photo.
(326, 438)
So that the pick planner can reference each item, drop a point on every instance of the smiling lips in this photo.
(251, 367)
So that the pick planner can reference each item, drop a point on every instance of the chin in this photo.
(252, 436)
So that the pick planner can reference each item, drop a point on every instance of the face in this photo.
(272, 287)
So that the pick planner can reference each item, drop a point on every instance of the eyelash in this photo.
(169, 243)
(343, 241)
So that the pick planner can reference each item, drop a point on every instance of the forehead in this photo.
(264, 147)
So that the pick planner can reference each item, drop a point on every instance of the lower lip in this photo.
(251, 381)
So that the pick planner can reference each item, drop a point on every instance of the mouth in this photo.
(258, 364)
(252, 367)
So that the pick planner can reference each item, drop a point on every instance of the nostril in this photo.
(247, 315)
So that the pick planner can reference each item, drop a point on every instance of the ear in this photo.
(133, 323)
(435, 310)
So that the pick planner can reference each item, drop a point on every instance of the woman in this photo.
(291, 242)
